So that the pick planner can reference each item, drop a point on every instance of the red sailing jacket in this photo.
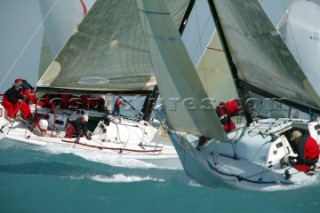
(225, 110)
(308, 153)
(119, 102)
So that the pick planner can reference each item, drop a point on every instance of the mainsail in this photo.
(300, 30)
(263, 62)
(107, 52)
(186, 101)
(214, 71)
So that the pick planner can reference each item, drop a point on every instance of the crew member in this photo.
(307, 150)
(116, 108)
(79, 128)
(13, 101)
(26, 90)
(225, 110)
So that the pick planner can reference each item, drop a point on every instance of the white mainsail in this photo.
(300, 29)
(261, 57)
(107, 52)
(176, 76)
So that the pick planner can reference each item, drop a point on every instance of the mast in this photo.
(233, 68)
(149, 103)
(152, 97)
(186, 16)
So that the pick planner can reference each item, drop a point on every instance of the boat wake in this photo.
(121, 178)
(193, 183)
(297, 186)
(82, 165)
(98, 157)
(111, 159)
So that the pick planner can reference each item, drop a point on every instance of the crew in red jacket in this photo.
(307, 150)
(225, 110)
(79, 128)
(116, 108)
(13, 101)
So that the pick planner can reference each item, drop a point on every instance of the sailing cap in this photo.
(86, 118)
(296, 134)
(18, 80)
(17, 85)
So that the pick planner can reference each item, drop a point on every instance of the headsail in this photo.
(214, 72)
(45, 56)
(176, 75)
(264, 63)
(60, 19)
(107, 53)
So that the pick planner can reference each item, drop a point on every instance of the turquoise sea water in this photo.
(38, 181)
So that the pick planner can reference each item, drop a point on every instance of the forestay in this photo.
(176, 76)
(107, 53)
(261, 57)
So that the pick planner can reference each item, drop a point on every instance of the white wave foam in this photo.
(111, 159)
(315, 181)
(121, 178)
(194, 183)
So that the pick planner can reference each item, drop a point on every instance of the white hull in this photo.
(124, 138)
(256, 165)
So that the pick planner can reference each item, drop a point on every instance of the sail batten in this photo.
(107, 51)
(179, 84)
(259, 54)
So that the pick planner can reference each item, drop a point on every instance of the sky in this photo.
(22, 30)
(21, 37)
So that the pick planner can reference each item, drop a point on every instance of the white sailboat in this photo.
(106, 55)
(252, 156)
